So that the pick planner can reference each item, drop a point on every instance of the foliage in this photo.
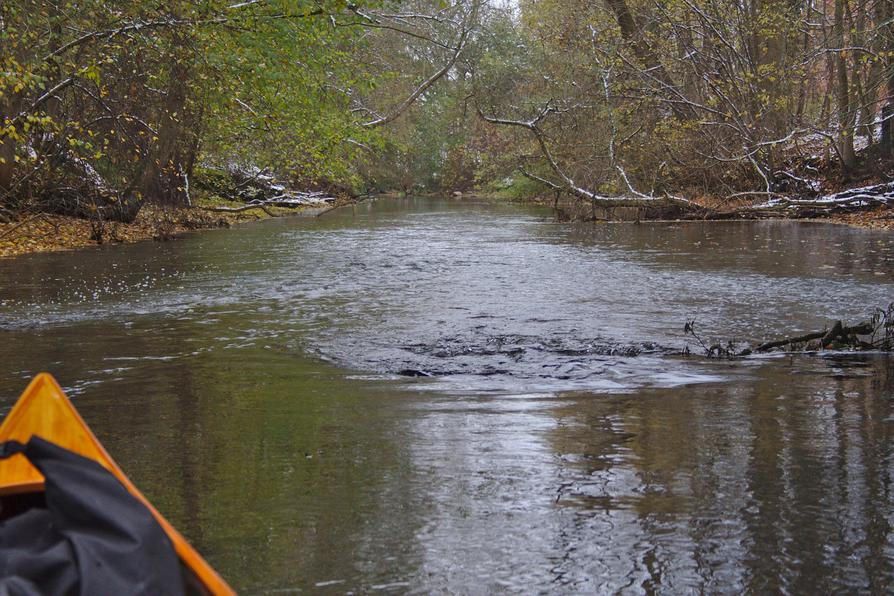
(279, 98)
(516, 188)
(691, 97)
(106, 105)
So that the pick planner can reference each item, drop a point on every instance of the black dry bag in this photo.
(88, 535)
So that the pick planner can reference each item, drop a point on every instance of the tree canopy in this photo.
(107, 105)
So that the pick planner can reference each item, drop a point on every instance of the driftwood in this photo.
(876, 333)
(293, 199)
(663, 207)
(837, 334)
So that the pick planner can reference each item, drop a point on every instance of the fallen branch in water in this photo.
(716, 350)
(337, 205)
(837, 334)
(294, 199)
(332, 208)
(876, 333)
(286, 200)
(256, 188)
(854, 199)
(260, 206)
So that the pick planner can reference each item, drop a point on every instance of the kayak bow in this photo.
(45, 411)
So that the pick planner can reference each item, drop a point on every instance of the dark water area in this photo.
(253, 383)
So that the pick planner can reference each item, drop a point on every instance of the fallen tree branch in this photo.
(282, 201)
(467, 26)
(294, 199)
(854, 199)
(567, 184)
(257, 187)
(239, 209)
(340, 205)
(826, 337)
(333, 208)
(20, 224)
(251, 178)
(876, 333)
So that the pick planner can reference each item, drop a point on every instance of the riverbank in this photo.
(44, 232)
(878, 219)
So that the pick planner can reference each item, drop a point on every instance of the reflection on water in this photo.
(245, 380)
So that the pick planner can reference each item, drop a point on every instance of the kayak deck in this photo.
(45, 411)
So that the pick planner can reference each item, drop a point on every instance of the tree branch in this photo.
(567, 183)
(392, 115)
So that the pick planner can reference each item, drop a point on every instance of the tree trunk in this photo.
(161, 180)
(633, 34)
(7, 151)
(887, 140)
(10, 105)
(885, 14)
(846, 115)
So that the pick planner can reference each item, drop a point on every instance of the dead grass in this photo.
(877, 219)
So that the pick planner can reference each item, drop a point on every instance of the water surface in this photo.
(254, 383)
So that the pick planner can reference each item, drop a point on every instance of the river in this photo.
(456, 396)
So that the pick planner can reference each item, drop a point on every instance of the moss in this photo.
(517, 188)
(206, 199)
(213, 181)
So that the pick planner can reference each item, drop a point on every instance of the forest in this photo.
(695, 104)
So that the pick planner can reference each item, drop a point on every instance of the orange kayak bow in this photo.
(45, 411)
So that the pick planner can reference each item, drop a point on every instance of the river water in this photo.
(449, 396)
